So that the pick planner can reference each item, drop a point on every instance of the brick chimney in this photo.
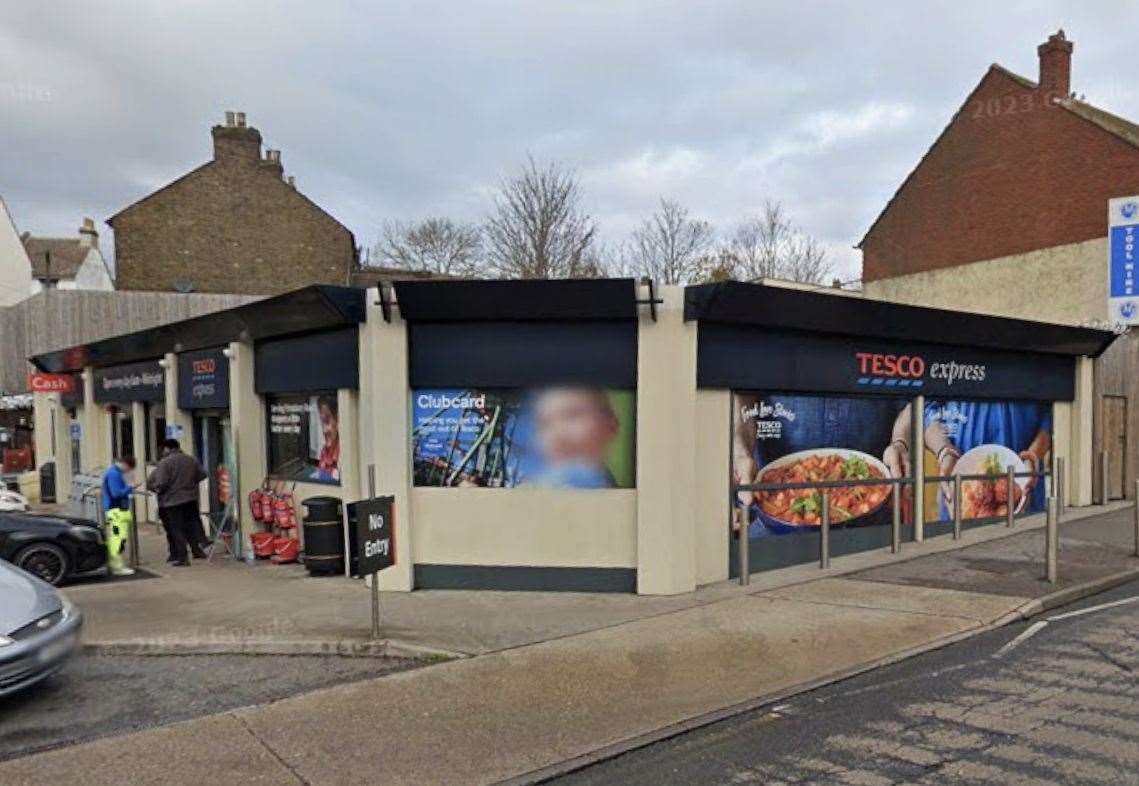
(235, 141)
(88, 237)
(1055, 65)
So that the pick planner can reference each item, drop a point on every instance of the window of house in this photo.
(304, 436)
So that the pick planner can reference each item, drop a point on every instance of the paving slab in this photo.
(978, 607)
(214, 750)
(1014, 566)
(484, 719)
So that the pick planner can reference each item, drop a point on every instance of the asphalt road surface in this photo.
(96, 696)
(1026, 704)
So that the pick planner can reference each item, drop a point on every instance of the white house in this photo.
(15, 269)
(68, 263)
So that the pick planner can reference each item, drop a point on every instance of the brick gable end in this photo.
(1013, 172)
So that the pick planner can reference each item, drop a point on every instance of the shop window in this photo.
(304, 437)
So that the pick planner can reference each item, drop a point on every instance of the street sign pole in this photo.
(375, 574)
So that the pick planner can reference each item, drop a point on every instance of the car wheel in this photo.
(43, 560)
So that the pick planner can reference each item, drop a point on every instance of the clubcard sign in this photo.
(374, 534)
(1123, 286)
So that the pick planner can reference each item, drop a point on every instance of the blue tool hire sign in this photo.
(373, 534)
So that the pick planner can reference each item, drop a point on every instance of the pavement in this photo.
(1022, 704)
(558, 680)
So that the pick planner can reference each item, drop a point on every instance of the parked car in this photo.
(52, 548)
(13, 500)
(39, 630)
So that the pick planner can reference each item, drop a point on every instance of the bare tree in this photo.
(538, 228)
(771, 245)
(670, 246)
(433, 245)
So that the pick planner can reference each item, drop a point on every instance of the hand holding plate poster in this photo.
(558, 437)
(798, 439)
(972, 437)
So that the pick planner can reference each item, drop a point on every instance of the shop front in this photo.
(832, 388)
(203, 393)
(133, 397)
(593, 435)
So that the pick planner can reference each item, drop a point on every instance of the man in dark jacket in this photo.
(175, 480)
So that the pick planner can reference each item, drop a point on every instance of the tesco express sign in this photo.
(914, 367)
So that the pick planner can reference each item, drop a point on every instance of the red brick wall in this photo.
(1011, 174)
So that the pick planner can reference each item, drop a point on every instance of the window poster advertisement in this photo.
(798, 439)
(986, 438)
(556, 437)
(792, 438)
(304, 437)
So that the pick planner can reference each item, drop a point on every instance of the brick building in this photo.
(1007, 213)
(235, 224)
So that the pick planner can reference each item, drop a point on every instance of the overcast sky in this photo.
(420, 107)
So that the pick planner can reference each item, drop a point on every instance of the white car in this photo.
(11, 500)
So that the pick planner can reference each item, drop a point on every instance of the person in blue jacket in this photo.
(117, 517)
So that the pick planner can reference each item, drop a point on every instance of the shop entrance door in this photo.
(122, 432)
(1115, 443)
(213, 443)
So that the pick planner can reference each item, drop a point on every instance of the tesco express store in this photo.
(585, 435)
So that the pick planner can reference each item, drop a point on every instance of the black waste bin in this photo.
(324, 536)
(47, 482)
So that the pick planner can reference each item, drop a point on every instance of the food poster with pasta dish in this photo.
(986, 437)
(787, 438)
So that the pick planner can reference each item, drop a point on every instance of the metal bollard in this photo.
(957, 507)
(1011, 499)
(744, 547)
(825, 532)
(1051, 541)
(1137, 518)
(1058, 488)
(896, 524)
(134, 532)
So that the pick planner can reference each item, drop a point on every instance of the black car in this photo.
(52, 548)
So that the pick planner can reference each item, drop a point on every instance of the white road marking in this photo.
(1031, 631)
(1090, 609)
(1036, 627)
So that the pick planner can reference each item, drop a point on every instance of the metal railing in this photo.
(824, 488)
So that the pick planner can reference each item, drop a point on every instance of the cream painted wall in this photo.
(1060, 284)
(247, 419)
(711, 515)
(1080, 464)
(567, 528)
(385, 423)
(95, 439)
(666, 449)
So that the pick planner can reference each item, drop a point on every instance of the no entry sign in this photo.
(375, 534)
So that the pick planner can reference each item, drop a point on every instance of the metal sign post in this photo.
(373, 538)
(375, 575)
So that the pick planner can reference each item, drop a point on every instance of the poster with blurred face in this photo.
(563, 437)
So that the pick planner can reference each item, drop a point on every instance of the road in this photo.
(1026, 704)
(96, 696)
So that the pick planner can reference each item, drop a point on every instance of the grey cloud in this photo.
(401, 110)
